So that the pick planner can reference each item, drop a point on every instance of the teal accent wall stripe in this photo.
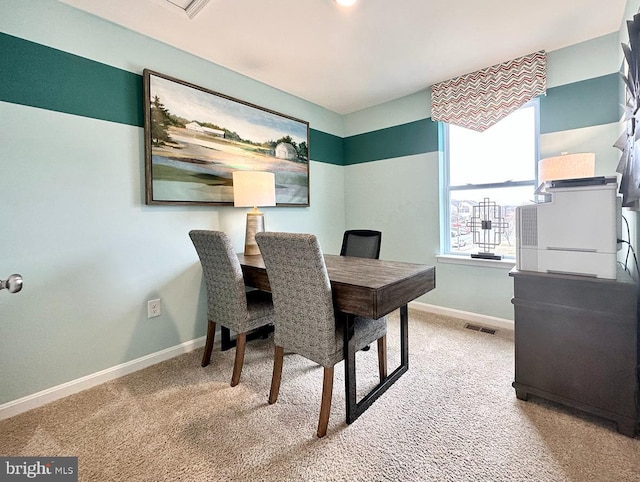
(43, 77)
(39, 76)
(416, 137)
(581, 104)
(586, 103)
(326, 148)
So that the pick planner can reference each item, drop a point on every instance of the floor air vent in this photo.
(469, 326)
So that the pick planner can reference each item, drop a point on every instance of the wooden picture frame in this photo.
(195, 138)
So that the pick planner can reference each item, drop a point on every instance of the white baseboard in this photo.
(484, 320)
(21, 405)
(16, 407)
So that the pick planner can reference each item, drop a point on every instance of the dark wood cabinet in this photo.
(576, 343)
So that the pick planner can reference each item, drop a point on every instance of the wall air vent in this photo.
(190, 7)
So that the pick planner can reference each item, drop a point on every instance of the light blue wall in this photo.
(400, 195)
(74, 223)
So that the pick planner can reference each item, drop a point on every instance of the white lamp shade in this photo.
(567, 166)
(254, 188)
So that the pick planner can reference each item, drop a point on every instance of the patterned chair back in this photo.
(305, 320)
(226, 296)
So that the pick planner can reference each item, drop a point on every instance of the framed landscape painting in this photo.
(195, 138)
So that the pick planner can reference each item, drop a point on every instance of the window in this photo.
(499, 164)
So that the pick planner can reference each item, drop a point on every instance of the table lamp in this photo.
(566, 166)
(253, 189)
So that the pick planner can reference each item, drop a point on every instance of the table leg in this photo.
(404, 337)
(225, 339)
(226, 343)
(354, 408)
(349, 365)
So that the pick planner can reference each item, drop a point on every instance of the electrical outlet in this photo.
(154, 308)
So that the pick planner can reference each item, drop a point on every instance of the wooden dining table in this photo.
(362, 287)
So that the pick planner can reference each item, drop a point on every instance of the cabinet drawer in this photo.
(589, 294)
(580, 355)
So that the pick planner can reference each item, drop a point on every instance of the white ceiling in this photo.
(348, 59)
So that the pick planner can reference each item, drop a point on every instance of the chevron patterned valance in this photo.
(481, 99)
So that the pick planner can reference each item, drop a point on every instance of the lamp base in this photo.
(255, 224)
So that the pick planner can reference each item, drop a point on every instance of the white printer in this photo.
(575, 231)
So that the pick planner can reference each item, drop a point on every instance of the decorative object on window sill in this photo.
(487, 225)
(253, 188)
(629, 165)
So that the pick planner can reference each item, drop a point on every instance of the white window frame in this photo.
(446, 188)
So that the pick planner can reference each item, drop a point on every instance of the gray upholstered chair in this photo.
(228, 303)
(305, 318)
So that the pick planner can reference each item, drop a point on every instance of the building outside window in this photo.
(499, 164)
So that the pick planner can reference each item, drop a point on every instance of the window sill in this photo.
(506, 264)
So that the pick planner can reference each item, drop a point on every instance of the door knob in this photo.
(13, 283)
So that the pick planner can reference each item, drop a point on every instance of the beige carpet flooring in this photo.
(452, 417)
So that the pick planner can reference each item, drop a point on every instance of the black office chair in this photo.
(362, 243)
